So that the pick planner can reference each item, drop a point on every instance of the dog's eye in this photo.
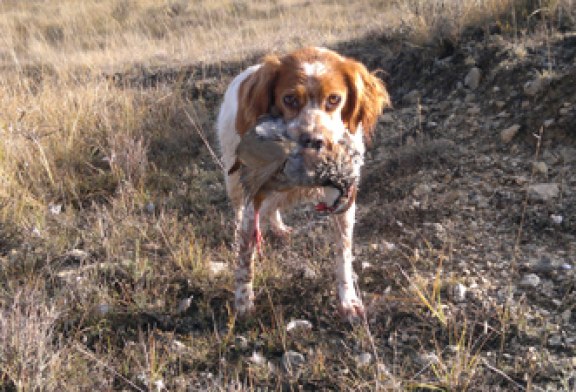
(290, 100)
(332, 101)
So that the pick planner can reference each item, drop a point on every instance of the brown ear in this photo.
(367, 97)
(256, 94)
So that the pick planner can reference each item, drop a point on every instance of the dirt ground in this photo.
(466, 234)
(465, 241)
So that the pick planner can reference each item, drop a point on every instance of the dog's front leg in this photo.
(244, 275)
(349, 305)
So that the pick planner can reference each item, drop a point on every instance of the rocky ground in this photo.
(478, 161)
(466, 234)
(465, 241)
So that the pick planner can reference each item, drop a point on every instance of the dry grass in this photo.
(112, 210)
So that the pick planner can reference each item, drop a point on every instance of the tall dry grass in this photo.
(106, 191)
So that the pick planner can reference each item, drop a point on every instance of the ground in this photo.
(465, 238)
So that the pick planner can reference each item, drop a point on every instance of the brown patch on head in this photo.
(314, 78)
(366, 100)
(309, 77)
(255, 96)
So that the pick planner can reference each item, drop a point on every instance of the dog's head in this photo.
(313, 85)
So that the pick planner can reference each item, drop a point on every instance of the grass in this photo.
(112, 210)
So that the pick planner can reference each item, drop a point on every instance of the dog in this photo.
(323, 97)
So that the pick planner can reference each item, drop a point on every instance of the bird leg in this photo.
(257, 234)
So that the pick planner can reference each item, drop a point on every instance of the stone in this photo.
(217, 267)
(458, 292)
(474, 110)
(543, 191)
(540, 168)
(555, 341)
(533, 87)
(298, 325)
(103, 309)
(292, 360)
(364, 359)
(184, 304)
(241, 342)
(556, 219)
(387, 118)
(421, 190)
(257, 359)
(472, 79)
(413, 97)
(530, 281)
(508, 134)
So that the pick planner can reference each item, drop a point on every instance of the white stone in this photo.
(530, 281)
(472, 79)
(364, 359)
(543, 191)
(533, 87)
(508, 134)
(459, 292)
(292, 360)
(257, 359)
(557, 219)
(217, 267)
(299, 325)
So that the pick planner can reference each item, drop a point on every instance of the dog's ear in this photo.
(367, 97)
(256, 94)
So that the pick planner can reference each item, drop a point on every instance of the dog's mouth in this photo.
(342, 203)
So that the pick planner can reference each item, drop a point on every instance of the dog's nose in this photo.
(311, 140)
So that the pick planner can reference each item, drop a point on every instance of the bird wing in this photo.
(260, 159)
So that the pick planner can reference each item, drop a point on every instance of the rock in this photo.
(292, 360)
(548, 123)
(102, 310)
(568, 154)
(298, 325)
(184, 304)
(364, 359)
(77, 254)
(387, 118)
(472, 79)
(543, 191)
(55, 209)
(150, 208)
(540, 168)
(257, 359)
(217, 267)
(530, 281)
(413, 97)
(533, 87)
(555, 341)
(458, 292)
(421, 190)
(470, 98)
(556, 219)
(474, 110)
(508, 134)
(427, 359)
(241, 342)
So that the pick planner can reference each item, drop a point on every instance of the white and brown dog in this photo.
(313, 90)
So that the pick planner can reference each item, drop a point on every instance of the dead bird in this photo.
(271, 160)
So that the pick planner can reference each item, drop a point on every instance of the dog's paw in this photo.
(282, 232)
(350, 307)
